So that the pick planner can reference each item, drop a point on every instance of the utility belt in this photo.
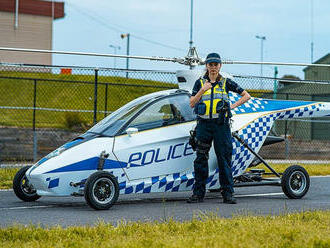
(223, 113)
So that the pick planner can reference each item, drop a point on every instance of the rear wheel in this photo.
(295, 182)
(101, 190)
(22, 187)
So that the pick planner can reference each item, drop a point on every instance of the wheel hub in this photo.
(297, 182)
(27, 187)
(103, 190)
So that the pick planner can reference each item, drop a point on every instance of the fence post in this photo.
(95, 96)
(106, 100)
(275, 91)
(275, 83)
(287, 145)
(35, 140)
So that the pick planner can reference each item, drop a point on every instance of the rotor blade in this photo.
(273, 63)
(88, 54)
(185, 60)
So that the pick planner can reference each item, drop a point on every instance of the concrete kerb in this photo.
(14, 165)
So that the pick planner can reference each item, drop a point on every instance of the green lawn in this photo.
(320, 169)
(63, 95)
(306, 229)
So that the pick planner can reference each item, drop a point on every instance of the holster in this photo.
(193, 140)
(224, 113)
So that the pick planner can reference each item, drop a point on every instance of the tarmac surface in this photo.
(69, 211)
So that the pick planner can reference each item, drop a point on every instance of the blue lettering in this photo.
(145, 156)
(186, 149)
(157, 154)
(151, 156)
(169, 153)
(131, 158)
(173, 154)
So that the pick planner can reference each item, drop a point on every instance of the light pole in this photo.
(262, 39)
(127, 50)
(114, 59)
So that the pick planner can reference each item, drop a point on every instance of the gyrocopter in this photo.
(143, 147)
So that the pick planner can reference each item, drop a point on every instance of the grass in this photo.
(6, 177)
(306, 229)
(63, 95)
(7, 174)
(320, 169)
(78, 95)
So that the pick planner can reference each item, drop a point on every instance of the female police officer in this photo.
(211, 102)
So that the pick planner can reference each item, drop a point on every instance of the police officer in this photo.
(210, 100)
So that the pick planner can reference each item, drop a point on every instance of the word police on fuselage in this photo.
(161, 154)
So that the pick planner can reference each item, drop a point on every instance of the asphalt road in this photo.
(68, 211)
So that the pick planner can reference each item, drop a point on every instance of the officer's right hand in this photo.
(207, 86)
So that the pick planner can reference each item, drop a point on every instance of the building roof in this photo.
(34, 7)
(324, 60)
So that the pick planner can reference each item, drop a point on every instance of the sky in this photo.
(162, 28)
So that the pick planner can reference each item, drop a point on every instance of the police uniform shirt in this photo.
(230, 86)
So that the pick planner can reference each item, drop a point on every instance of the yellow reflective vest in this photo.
(217, 95)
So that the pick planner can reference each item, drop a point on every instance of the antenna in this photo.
(191, 24)
(312, 31)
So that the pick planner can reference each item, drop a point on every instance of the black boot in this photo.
(195, 199)
(229, 199)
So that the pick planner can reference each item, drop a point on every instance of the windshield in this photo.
(167, 111)
(112, 123)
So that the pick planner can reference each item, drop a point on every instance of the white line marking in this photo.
(265, 194)
(30, 207)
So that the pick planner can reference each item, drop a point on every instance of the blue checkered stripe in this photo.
(254, 135)
(256, 132)
(307, 111)
(170, 183)
(253, 105)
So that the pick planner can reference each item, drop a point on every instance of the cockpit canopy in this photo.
(147, 112)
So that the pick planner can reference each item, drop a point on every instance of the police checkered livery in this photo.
(171, 183)
(254, 134)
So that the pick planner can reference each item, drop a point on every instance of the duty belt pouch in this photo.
(219, 107)
(200, 108)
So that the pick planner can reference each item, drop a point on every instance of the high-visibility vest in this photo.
(212, 97)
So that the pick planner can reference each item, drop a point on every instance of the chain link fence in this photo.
(42, 107)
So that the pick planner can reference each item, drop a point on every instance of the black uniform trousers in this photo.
(209, 130)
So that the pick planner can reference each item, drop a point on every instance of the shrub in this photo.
(74, 121)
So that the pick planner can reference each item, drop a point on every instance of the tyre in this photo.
(295, 182)
(101, 190)
(22, 188)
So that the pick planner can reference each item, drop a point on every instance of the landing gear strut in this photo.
(295, 180)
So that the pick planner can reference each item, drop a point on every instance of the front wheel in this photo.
(101, 190)
(295, 182)
(22, 187)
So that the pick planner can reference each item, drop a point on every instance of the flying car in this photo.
(143, 147)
